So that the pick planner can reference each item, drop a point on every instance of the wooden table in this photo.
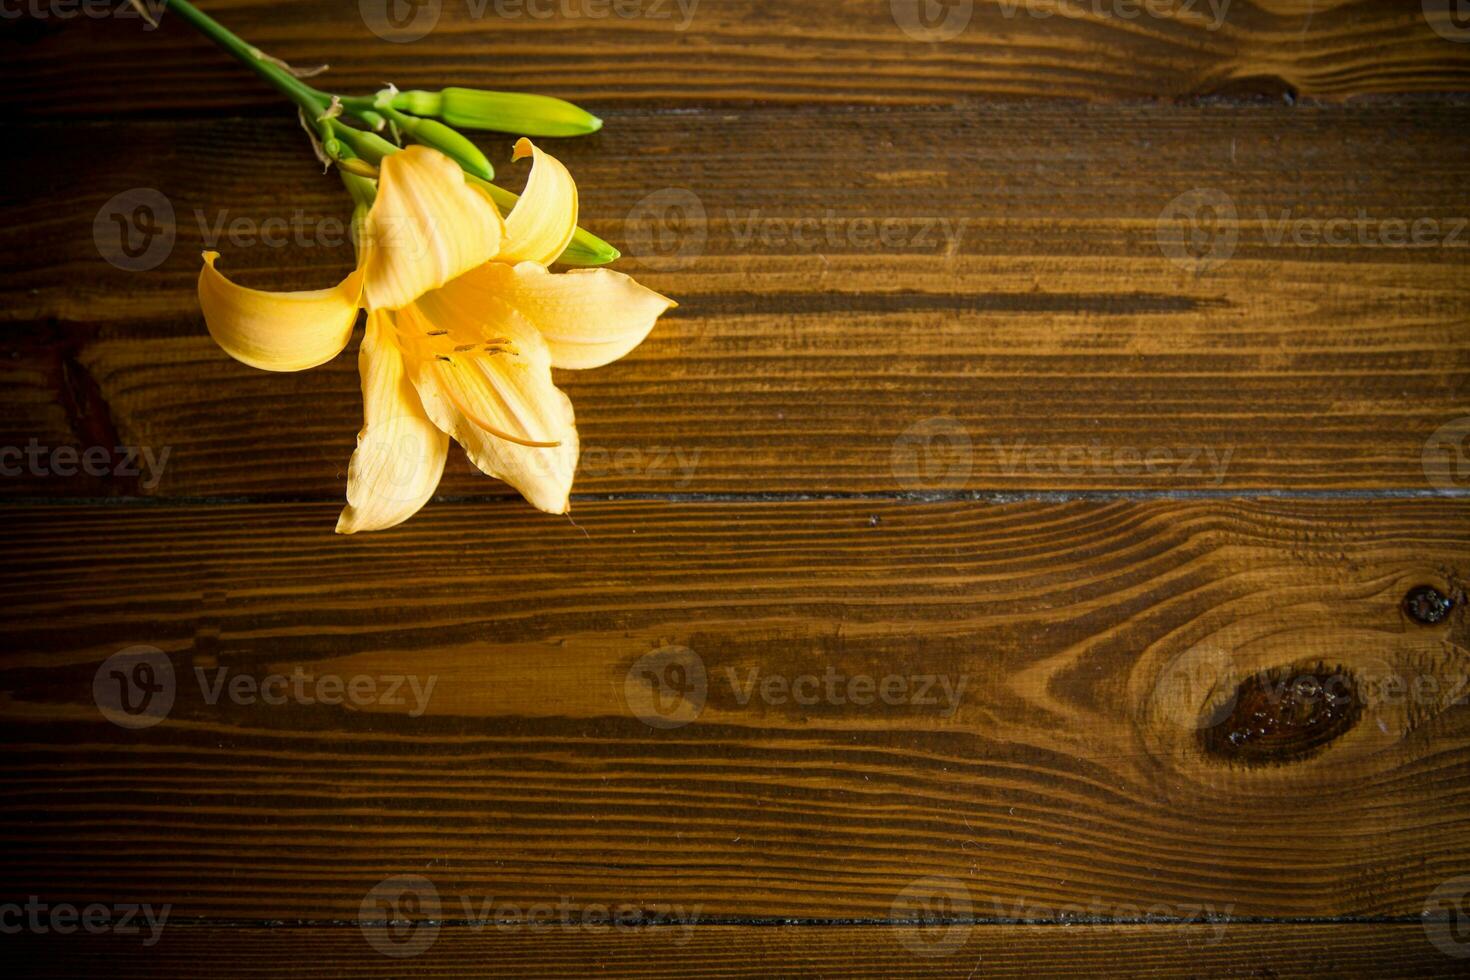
(1024, 552)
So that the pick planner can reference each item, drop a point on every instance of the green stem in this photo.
(362, 106)
(314, 102)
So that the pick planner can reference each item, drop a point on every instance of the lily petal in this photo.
(426, 227)
(589, 317)
(289, 331)
(513, 423)
(400, 453)
(541, 225)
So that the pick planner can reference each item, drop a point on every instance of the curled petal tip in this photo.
(290, 331)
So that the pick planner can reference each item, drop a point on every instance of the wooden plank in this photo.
(1391, 951)
(704, 52)
(1026, 331)
(1034, 702)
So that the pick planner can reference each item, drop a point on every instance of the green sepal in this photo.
(433, 133)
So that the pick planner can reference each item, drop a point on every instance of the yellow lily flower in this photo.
(464, 325)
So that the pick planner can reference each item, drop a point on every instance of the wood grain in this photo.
(1243, 950)
(1042, 339)
(1040, 747)
(707, 52)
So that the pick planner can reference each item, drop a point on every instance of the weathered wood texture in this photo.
(1043, 747)
(1240, 951)
(1024, 303)
(1004, 260)
(702, 52)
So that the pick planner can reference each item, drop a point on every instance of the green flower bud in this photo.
(504, 112)
(370, 146)
(432, 132)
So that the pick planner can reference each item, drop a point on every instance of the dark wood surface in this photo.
(1029, 308)
(709, 52)
(919, 459)
(1246, 950)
